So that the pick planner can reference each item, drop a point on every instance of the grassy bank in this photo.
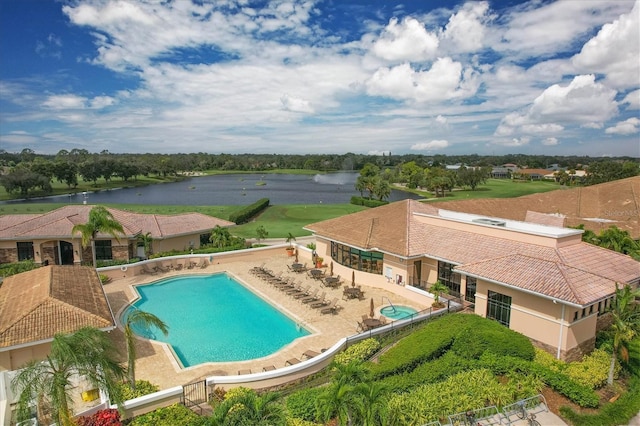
(500, 188)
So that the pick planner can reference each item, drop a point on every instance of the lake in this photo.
(232, 189)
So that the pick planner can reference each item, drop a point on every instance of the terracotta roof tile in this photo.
(395, 229)
(617, 201)
(38, 304)
(58, 223)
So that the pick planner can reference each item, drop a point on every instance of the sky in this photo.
(314, 76)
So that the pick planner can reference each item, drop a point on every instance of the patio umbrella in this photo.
(353, 278)
(371, 310)
(296, 254)
(331, 269)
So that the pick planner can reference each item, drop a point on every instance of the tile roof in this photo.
(546, 277)
(617, 202)
(396, 229)
(38, 304)
(58, 223)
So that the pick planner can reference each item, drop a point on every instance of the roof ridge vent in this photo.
(487, 221)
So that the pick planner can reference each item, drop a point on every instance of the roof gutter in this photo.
(534, 293)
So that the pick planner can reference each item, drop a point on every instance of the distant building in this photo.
(47, 238)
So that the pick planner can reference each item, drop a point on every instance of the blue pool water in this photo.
(213, 318)
(397, 311)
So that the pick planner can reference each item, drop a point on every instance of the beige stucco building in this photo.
(48, 239)
(540, 280)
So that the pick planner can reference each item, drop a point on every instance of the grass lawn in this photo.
(280, 220)
(500, 188)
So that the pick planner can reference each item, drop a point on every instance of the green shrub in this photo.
(430, 372)
(360, 351)
(246, 213)
(143, 387)
(560, 382)
(463, 391)
(174, 415)
(545, 359)
(361, 201)
(9, 269)
(292, 421)
(302, 404)
(615, 413)
(480, 335)
(425, 344)
(593, 370)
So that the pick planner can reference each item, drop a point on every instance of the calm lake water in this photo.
(236, 189)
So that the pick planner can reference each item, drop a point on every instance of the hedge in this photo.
(619, 412)
(361, 201)
(584, 396)
(246, 213)
(173, 415)
(302, 404)
(481, 335)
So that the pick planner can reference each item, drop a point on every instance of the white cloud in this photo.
(582, 101)
(60, 102)
(295, 104)
(632, 99)
(441, 120)
(429, 146)
(466, 30)
(539, 29)
(405, 41)
(102, 101)
(513, 142)
(627, 127)
(614, 51)
(445, 80)
(542, 128)
(550, 142)
(379, 153)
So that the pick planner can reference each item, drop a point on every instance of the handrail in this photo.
(390, 303)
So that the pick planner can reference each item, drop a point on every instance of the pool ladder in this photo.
(389, 300)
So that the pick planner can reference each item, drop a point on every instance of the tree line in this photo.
(27, 172)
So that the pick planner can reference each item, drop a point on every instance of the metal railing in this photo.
(480, 416)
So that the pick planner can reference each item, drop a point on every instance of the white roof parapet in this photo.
(512, 225)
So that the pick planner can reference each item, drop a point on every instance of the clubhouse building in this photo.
(539, 280)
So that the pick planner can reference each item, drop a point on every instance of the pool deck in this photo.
(157, 364)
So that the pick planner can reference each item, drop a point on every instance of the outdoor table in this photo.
(352, 292)
(331, 281)
(297, 267)
(316, 273)
(372, 322)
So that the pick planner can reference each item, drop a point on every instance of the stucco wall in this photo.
(16, 358)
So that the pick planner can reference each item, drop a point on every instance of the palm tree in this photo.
(220, 237)
(86, 353)
(339, 398)
(143, 319)
(249, 408)
(147, 242)
(625, 313)
(374, 403)
(100, 221)
(438, 289)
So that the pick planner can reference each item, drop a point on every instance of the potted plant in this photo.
(438, 289)
(290, 240)
(319, 261)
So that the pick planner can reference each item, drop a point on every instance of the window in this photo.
(25, 250)
(470, 294)
(366, 261)
(499, 308)
(103, 250)
(449, 278)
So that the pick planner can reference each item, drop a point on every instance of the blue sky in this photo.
(242, 76)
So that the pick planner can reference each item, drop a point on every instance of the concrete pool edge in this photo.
(169, 351)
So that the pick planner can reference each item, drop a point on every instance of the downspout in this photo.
(560, 336)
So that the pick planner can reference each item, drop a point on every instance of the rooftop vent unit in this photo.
(492, 222)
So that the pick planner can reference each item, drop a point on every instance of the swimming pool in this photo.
(213, 318)
(397, 311)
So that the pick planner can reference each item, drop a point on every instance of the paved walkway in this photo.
(157, 364)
